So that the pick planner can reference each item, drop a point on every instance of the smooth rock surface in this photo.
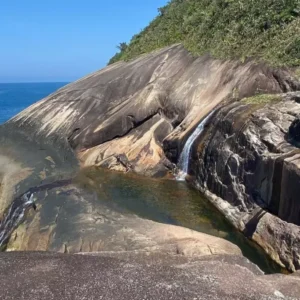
(35, 276)
(133, 108)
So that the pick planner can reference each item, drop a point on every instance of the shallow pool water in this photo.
(170, 202)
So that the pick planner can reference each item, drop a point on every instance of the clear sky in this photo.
(62, 40)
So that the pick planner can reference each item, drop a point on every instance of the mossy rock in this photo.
(297, 73)
(262, 99)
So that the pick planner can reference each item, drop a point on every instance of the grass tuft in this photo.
(262, 99)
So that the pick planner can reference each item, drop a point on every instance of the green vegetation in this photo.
(297, 73)
(262, 99)
(268, 30)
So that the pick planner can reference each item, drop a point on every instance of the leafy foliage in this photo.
(268, 30)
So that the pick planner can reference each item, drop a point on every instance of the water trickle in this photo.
(16, 212)
(183, 163)
(14, 216)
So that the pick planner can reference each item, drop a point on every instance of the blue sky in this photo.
(62, 40)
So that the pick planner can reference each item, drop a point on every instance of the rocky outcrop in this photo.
(136, 116)
(247, 157)
(125, 275)
(132, 108)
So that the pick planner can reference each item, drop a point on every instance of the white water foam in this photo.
(183, 163)
(14, 216)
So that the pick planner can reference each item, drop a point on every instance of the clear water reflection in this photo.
(171, 202)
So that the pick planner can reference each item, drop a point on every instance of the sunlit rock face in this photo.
(132, 108)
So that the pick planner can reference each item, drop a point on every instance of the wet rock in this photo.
(294, 130)
(72, 220)
(11, 173)
(246, 158)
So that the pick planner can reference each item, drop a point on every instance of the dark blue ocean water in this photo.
(14, 97)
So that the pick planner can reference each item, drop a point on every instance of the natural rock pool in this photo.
(170, 202)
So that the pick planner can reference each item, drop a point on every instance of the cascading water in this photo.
(14, 216)
(183, 163)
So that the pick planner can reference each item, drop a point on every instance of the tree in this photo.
(122, 47)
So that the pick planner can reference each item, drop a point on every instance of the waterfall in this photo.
(183, 163)
(14, 216)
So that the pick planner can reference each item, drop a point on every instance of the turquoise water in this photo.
(14, 97)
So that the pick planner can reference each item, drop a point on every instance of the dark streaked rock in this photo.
(134, 108)
(294, 130)
(246, 158)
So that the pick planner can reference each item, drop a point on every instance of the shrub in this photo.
(268, 30)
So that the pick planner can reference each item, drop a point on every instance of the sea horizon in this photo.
(16, 96)
(35, 82)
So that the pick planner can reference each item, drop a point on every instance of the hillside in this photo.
(267, 30)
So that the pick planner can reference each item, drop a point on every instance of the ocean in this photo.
(14, 97)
